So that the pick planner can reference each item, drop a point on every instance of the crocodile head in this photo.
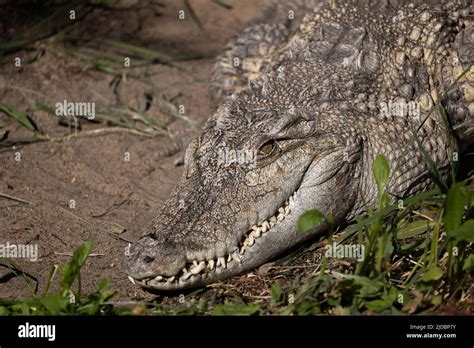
(258, 164)
(302, 135)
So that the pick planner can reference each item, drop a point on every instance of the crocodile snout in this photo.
(147, 258)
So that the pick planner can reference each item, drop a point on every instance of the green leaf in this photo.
(202, 306)
(236, 309)
(102, 284)
(223, 3)
(437, 300)
(276, 292)
(368, 286)
(405, 296)
(18, 115)
(45, 108)
(71, 271)
(408, 202)
(309, 219)
(381, 172)
(414, 228)
(388, 248)
(465, 232)
(434, 273)
(468, 263)
(454, 208)
(54, 304)
(377, 305)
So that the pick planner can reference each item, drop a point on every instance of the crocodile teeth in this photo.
(193, 269)
(236, 258)
(251, 241)
(221, 261)
(186, 276)
(198, 268)
(258, 233)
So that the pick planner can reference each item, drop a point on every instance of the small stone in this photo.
(425, 16)
(425, 102)
(417, 52)
(400, 57)
(415, 34)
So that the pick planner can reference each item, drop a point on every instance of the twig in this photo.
(423, 215)
(4, 195)
(70, 254)
(99, 131)
(259, 297)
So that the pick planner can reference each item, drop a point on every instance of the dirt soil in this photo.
(83, 188)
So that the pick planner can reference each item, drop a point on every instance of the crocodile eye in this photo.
(267, 148)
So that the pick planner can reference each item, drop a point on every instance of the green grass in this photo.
(418, 257)
(106, 56)
(67, 300)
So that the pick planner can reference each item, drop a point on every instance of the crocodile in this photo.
(305, 99)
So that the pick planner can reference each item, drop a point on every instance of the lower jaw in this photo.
(230, 265)
(192, 282)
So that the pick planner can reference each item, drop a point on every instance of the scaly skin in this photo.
(310, 101)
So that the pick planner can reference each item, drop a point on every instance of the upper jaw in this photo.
(240, 257)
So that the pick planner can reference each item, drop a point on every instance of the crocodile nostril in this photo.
(148, 259)
(152, 236)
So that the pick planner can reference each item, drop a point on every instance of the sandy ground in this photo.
(108, 192)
